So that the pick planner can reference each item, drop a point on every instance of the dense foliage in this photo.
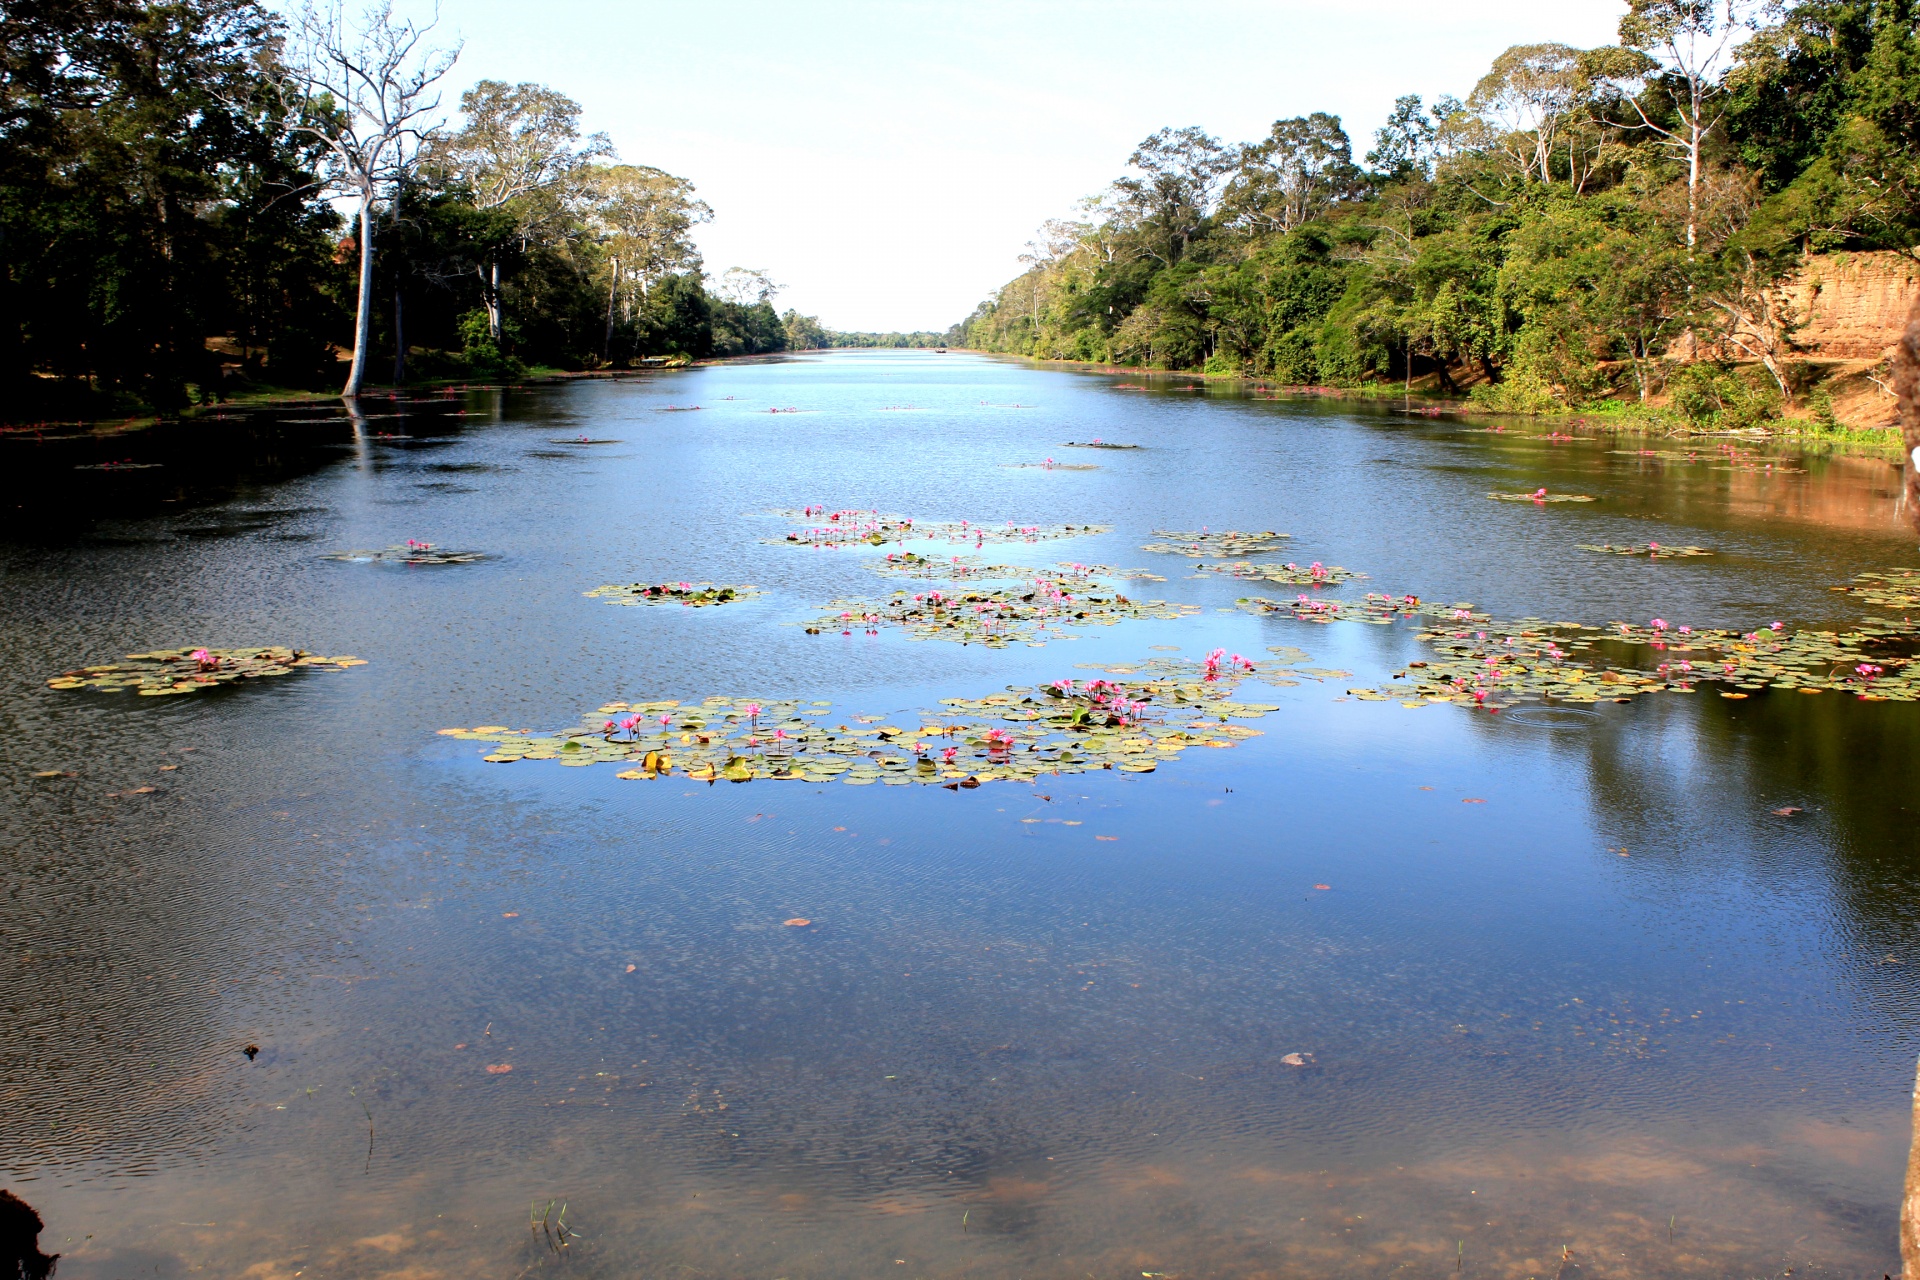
(170, 237)
(1586, 224)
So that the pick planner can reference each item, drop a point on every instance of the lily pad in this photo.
(874, 528)
(1892, 589)
(192, 670)
(1022, 733)
(1049, 602)
(1225, 542)
(691, 594)
(1652, 550)
(1097, 444)
(1290, 574)
(409, 552)
(1482, 662)
(1541, 495)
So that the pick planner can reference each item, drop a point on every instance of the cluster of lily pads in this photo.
(1893, 589)
(1289, 574)
(1481, 662)
(1226, 542)
(911, 564)
(691, 594)
(1652, 550)
(1046, 606)
(1726, 458)
(193, 670)
(409, 552)
(874, 528)
(1096, 444)
(1541, 495)
(1065, 727)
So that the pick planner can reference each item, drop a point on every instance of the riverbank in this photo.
(1613, 416)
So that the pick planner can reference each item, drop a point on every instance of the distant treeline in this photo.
(804, 333)
(183, 190)
(1586, 224)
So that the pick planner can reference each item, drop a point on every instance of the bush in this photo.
(1521, 391)
(1707, 393)
(481, 355)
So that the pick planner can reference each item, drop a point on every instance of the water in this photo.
(1615, 1018)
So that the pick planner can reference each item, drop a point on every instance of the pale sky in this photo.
(888, 160)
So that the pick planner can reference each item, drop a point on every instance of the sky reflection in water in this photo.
(1572, 984)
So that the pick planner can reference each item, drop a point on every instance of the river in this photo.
(1611, 989)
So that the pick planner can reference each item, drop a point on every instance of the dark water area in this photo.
(1574, 1000)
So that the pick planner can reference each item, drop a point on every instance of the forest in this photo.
(200, 199)
(1586, 227)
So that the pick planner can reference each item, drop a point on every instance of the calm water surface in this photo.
(1616, 1019)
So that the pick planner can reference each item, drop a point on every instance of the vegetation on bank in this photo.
(172, 180)
(1600, 227)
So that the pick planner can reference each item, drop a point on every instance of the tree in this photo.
(1293, 175)
(1528, 94)
(518, 154)
(1180, 170)
(642, 219)
(1403, 146)
(1689, 43)
(746, 286)
(363, 94)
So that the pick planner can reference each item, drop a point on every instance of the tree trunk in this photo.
(399, 338)
(493, 302)
(363, 316)
(613, 291)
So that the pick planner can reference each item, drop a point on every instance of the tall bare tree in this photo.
(1689, 45)
(1529, 94)
(520, 152)
(365, 90)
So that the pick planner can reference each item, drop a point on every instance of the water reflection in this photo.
(1615, 1017)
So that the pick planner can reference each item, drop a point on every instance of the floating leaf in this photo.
(1016, 735)
(1479, 661)
(873, 528)
(408, 553)
(1893, 589)
(1096, 444)
(692, 594)
(1652, 550)
(1293, 575)
(190, 670)
(1541, 495)
(1227, 542)
(1050, 601)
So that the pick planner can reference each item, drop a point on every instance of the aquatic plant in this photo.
(191, 670)
(873, 528)
(408, 552)
(1063, 727)
(1050, 602)
(1290, 574)
(1227, 542)
(1096, 443)
(911, 564)
(1481, 662)
(1541, 495)
(1891, 589)
(1652, 550)
(1725, 457)
(692, 594)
